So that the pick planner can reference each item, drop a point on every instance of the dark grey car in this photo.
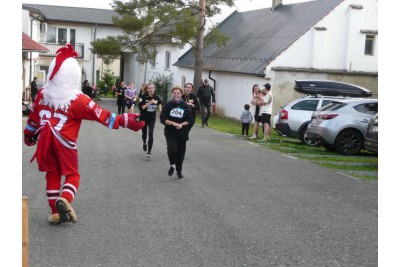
(371, 138)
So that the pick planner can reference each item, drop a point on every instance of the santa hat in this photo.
(63, 83)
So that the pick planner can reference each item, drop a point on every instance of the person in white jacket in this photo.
(265, 104)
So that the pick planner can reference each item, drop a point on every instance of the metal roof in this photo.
(259, 36)
(73, 14)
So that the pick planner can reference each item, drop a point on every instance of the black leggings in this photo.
(121, 109)
(151, 125)
(176, 149)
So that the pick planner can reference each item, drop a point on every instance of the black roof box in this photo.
(330, 88)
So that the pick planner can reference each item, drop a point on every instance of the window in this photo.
(60, 35)
(369, 45)
(51, 35)
(167, 60)
(370, 108)
(310, 105)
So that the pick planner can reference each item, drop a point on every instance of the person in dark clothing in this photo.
(192, 101)
(148, 103)
(87, 89)
(121, 98)
(204, 93)
(34, 88)
(177, 118)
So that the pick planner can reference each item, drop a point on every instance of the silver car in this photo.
(341, 125)
(292, 119)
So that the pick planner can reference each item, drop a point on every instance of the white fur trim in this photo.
(65, 85)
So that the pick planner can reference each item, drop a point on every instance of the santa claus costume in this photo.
(54, 123)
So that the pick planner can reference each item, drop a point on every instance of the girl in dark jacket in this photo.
(148, 103)
(177, 118)
(192, 101)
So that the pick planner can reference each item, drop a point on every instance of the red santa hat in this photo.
(63, 83)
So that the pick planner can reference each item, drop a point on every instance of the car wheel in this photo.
(349, 142)
(304, 138)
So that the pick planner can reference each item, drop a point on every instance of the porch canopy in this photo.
(28, 45)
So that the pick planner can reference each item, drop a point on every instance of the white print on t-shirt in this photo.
(177, 113)
(151, 108)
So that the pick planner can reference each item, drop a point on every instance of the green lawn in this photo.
(363, 166)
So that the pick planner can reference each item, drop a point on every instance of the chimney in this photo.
(275, 3)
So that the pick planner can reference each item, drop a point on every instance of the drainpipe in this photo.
(209, 76)
(30, 53)
(94, 58)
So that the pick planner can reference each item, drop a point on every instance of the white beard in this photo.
(64, 87)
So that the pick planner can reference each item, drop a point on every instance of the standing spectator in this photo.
(147, 107)
(34, 88)
(246, 118)
(114, 90)
(192, 101)
(177, 118)
(256, 94)
(95, 92)
(121, 98)
(130, 97)
(204, 93)
(265, 111)
(87, 89)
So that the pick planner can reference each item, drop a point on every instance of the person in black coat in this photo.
(121, 98)
(176, 115)
(204, 93)
(34, 88)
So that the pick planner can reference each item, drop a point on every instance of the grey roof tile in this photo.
(257, 37)
(74, 14)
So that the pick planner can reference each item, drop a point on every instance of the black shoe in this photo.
(207, 124)
(180, 176)
(149, 154)
(171, 171)
(144, 147)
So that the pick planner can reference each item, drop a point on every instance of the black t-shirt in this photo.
(177, 112)
(121, 98)
(148, 113)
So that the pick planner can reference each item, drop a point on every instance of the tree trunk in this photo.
(198, 63)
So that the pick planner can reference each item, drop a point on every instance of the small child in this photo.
(245, 119)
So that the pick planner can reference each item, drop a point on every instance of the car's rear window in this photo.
(309, 105)
(334, 105)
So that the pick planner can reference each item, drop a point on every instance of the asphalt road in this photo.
(240, 204)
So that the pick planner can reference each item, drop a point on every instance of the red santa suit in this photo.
(54, 123)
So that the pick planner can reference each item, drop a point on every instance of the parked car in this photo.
(371, 138)
(342, 124)
(293, 118)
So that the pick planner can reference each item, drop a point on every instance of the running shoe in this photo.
(180, 176)
(66, 212)
(171, 171)
(145, 147)
(54, 219)
(149, 154)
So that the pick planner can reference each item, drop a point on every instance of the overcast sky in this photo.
(241, 5)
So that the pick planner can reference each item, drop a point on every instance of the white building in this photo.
(323, 39)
